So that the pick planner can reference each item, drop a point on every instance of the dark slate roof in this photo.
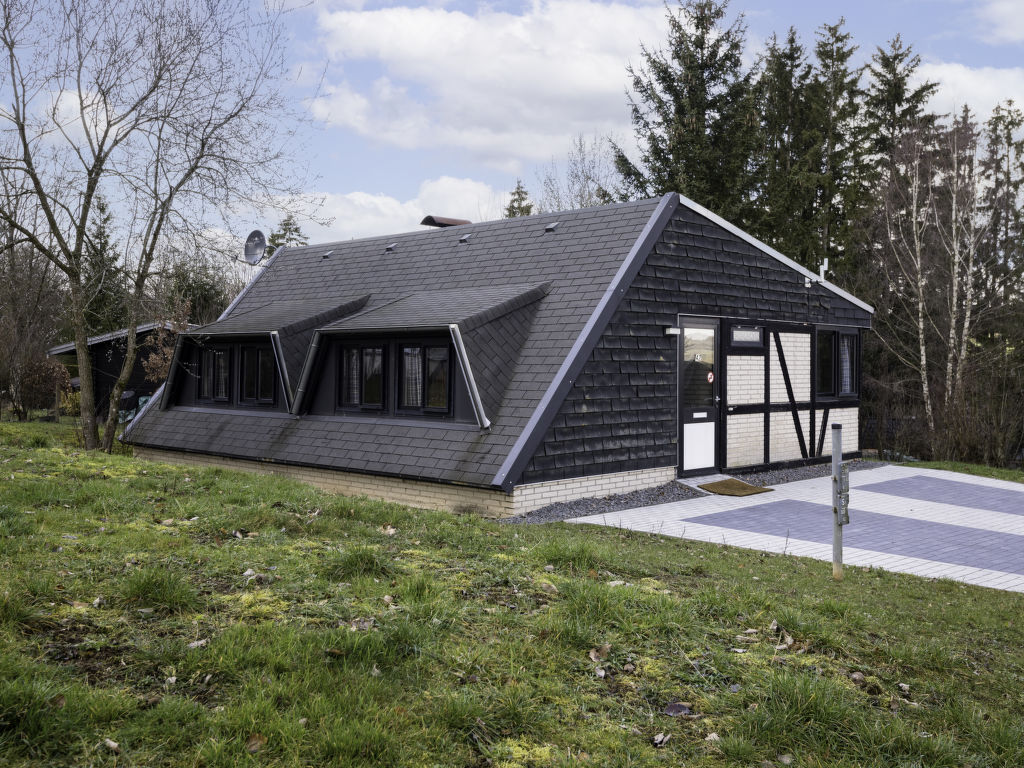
(293, 320)
(69, 346)
(437, 309)
(280, 316)
(579, 259)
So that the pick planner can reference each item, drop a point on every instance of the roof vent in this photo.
(391, 247)
(443, 221)
(465, 237)
(552, 226)
(325, 255)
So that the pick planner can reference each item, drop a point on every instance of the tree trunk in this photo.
(113, 414)
(90, 433)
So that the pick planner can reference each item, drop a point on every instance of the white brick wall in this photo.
(784, 445)
(797, 349)
(851, 436)
(427, 495)
(744, 440)
(744, 379)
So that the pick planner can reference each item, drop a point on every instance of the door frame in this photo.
(715, 324)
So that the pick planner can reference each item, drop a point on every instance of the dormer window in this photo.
(259, 376)
(362, 377)
(215, 373)
(401, 377)
(423, 383)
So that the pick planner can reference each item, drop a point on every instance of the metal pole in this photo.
(837, 528)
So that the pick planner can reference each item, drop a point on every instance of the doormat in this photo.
(733, 487)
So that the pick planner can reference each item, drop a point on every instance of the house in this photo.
(107, 351)
(506, 365)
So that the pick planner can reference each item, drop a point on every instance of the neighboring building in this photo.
(107, 353)
(506, 365)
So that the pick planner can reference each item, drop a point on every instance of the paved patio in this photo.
(927, 522)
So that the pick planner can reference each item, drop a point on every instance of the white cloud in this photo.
(361, 214)
(499, 85)
(1003, 21)
(981, 88)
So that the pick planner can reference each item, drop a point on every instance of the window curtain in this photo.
(846, 364)
(412, 377)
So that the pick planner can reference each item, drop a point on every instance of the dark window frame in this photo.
(259, 351)
(747, 347)
(424, 346)
(393, 377)
(835, 391)
(209, 373)
(341, 368)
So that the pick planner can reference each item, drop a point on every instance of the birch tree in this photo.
(170, 109)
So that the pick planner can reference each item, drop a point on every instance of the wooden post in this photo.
(837, 528)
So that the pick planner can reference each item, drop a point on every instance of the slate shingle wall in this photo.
(621, 413)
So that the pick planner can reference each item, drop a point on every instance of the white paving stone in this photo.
(673, 520)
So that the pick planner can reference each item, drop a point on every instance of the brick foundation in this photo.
(426, 495)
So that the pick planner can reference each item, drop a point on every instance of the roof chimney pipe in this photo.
(443, 221)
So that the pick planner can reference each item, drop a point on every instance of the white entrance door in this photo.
(698, 394)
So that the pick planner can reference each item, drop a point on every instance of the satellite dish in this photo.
(255, 247)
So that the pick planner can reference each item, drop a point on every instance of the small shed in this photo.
(506, 365)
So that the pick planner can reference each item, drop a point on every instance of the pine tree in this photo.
(843, 188)
(694, 115)
(1003, 206)
(891, 106)
(288, 233)
(103, 276)
(788, 165)
(519, 203)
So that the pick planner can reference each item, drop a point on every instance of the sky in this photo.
(438, 107)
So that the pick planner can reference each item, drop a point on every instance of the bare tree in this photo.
(171, 109)
(584, 180)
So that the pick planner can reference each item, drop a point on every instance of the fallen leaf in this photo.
(738, 650)
(388, 600)
(171, 680)
(786, 759)
(549, 568)
(661, 739)
(750, 632)
(629, 667)
(99, 602)
(600, 672)
(255, 743)
(79, 604)
(375, 672)
(198, 643)
(904, 688)
(616, 583)
(58, 701)
(549, 587)
(677, 708)
(388, 529)
(112, 745)
(597, 654)
(713, 737)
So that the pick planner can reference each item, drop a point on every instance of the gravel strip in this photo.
(646, 497)
(663, 494)
(777, 476)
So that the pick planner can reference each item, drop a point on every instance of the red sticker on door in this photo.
(711, 377)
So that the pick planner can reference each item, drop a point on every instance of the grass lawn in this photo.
(165, 616)
(999, 473)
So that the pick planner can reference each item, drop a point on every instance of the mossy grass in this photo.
(204, 617)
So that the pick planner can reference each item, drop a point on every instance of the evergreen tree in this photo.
(843, 188)
(1003, 167)
(891, 106)
(103, 278)
(694, 115)
(288, 233)
(519, 203)
(788, 166)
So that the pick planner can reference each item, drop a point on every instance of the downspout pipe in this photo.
(467, 374)
(307, 371)
(275, 342)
